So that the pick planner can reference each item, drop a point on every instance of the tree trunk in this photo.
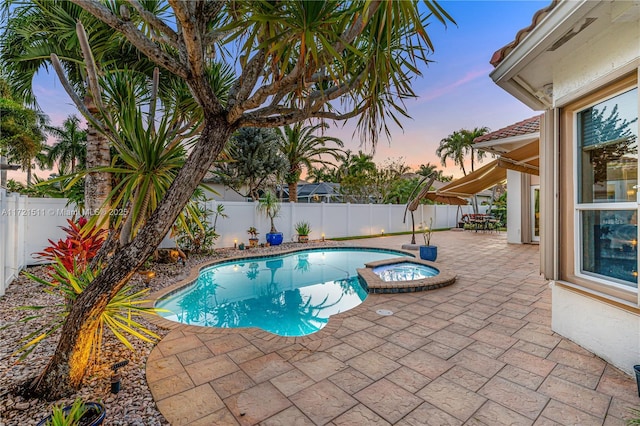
(29, 175)
(97, 185)
(293, 192)
(65, 371)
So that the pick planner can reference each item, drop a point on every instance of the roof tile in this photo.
(502, 53)
(524, 127)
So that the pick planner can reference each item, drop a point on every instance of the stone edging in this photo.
(335, 321)
(374, 284)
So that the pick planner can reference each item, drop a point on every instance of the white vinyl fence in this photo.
(332, 220)
(26, 224)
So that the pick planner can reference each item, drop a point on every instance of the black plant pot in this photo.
(636, 369)
(94, 415)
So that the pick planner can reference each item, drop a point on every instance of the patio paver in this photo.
(479, 352)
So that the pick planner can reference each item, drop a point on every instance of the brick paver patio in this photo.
(480, 352)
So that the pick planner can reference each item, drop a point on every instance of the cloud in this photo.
(441, 91)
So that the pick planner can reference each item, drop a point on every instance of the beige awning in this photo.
(524, 159)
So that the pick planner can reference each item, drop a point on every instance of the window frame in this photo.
(578, 208)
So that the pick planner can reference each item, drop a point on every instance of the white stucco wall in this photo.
(606, 330)
(616, 46)
(514, 207)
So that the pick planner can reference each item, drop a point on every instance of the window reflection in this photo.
(610, 245)
(608, 141)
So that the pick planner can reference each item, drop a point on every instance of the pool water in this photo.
(405, 271)
(289, 295)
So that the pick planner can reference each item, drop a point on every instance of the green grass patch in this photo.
(386, 234)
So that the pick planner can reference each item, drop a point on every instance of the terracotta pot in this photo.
(303, 238)
(253, 242)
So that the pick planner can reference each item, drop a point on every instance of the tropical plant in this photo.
(37, 29)
(79, 247)
(426, 170)
(196, 233)
(21, 134)
(71, 417)
(303, 148)
(303, 228)
(120, 316)
(270, 206)
(427, 231)
(70, 150)
(253, 232)
(635, 420)
(458, 144)
(295, 61)
(254, 159)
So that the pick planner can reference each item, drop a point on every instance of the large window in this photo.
(607, 206)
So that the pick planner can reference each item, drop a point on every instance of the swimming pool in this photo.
(292, 294)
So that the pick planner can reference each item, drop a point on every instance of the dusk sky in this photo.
(455, 91)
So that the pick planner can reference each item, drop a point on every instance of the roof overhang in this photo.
(526, 72)
(525, 159)
(504, 145)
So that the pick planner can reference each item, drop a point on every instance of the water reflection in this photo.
(293, 295)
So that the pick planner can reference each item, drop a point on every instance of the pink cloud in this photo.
(441, 91)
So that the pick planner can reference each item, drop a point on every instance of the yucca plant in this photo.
(635, 420)
(121, 315)
(70, 417)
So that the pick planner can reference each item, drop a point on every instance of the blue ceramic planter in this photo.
(274, 238)
(429, 253)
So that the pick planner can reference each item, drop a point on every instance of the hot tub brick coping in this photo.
(376, 285)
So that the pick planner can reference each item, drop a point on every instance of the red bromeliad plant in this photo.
(80, 246)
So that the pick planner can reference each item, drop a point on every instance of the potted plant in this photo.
(303, 229)
(270, 206)
(80, 413)
(427, 251)
(253, 236)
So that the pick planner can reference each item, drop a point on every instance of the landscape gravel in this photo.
(134, 404)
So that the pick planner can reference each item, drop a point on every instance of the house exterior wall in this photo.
(606, 329)
(603, 318)
(615, 48)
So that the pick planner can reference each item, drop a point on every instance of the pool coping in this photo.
(335, 321)
(376, 285)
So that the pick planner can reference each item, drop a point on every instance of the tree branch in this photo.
(135, 36)
(90, 64)
(190, 35)
(57, 66)
(170, 36)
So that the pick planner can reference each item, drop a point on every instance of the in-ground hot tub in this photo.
(404, 275)
(405, 271)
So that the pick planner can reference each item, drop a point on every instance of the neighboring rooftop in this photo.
(502, 53)
(524, 127)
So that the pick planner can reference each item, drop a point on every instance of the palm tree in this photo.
(458, 144)
(470, 135)
(357, 164)
(453, 147)
(21, 134)
(71, 147)
(34, 31)
(303, 148)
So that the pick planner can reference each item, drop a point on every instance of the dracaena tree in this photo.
(296, 60)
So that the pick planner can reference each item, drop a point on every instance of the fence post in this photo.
(4, 240)
(348, 218)
(20, 234)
